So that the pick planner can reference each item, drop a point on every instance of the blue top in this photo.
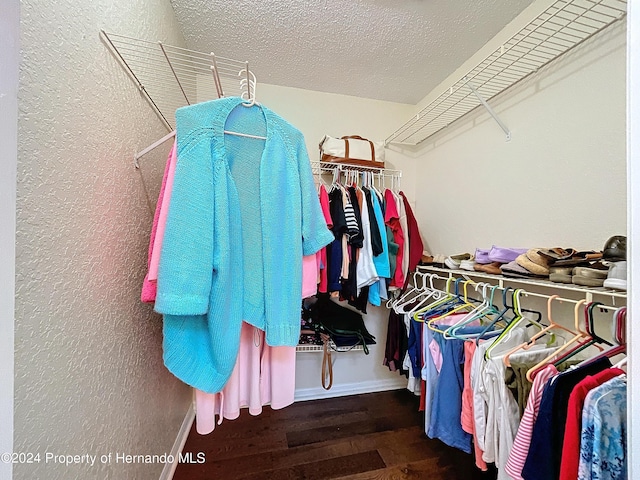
(603, 443)
(243, 212)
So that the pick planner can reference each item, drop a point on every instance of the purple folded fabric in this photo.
(482, 256)
(505, 255)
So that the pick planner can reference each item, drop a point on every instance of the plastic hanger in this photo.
(447, 298)
(579, 335)
(486, 309)
(464, 303)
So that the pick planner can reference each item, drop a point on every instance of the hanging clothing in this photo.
(149, 285)
(365, 269)
(262, 375)
(392, 220)
(573, 428)
(522, 441)
(378, 290)
(323, 283)
(236, 202)
(402, 214)
(543, 459)
(416, 246)
(603, 452)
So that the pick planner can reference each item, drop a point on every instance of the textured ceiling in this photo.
(386, 49)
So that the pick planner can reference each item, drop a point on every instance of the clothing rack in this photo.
(562, 26)
(171, 77)
(499, 280)
(379, 175)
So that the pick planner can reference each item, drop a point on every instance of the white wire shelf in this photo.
(171, 77)
(501, 279)
(561, 27)
(334, 348)
(379, 176)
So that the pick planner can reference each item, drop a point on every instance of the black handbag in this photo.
(345, 327)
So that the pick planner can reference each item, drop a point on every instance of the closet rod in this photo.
(523, 292)
(151, 147)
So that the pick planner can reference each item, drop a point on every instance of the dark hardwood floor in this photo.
(374, 436)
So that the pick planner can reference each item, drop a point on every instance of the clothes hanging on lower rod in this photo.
(569, 423)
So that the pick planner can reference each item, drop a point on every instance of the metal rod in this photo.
(174, 73)
(151, 147)
(216, 77)
(490, 110)
(135, 78)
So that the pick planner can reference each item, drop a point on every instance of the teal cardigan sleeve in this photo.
(185, 272)
(315, 233)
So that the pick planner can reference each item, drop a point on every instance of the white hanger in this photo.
(249, 96)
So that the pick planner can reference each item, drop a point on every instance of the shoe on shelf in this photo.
(505, 254)
(617, 276)
(468, 264)
(492, 268)
(534, 262)
(453, 261)
(482, 256)
(560, 274)
(593, 275)
(615, 250)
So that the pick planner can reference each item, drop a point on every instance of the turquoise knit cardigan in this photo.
(243, 212)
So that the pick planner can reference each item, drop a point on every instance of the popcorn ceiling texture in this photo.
(89, 377)
(383, 49)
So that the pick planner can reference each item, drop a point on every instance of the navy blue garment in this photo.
(545, 453)
(334, 249)
(414, 347)
(447, 401)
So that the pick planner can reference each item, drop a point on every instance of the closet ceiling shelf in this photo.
(538, 283)
(559, 28)
(171, 77)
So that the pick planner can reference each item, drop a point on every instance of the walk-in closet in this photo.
(453, 187)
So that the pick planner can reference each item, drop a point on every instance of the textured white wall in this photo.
(9, 59)
(560, 181)
(89, 377)
(316, 114)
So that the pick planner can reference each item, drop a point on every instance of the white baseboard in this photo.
(350, 389)
(170, 468)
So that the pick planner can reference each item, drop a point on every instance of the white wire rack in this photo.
(334, 348)
(382, 177)
(561, 27)
(171, 77)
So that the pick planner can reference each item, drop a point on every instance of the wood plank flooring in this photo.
(376, 436)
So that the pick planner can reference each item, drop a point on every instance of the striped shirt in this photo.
(522, 442)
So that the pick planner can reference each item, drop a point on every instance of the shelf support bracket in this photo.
(489, 109)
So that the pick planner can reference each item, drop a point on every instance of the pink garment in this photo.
(262, 375)
(309, 275)
(162, 220)
(522, 442)
(466, 415)
(149, 287)
(434, 347)
(323, 282)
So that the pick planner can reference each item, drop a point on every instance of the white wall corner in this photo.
(9, 59)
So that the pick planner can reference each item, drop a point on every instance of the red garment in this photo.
(323, 283)
(392, 219)
(415, 241)
(573, 427)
